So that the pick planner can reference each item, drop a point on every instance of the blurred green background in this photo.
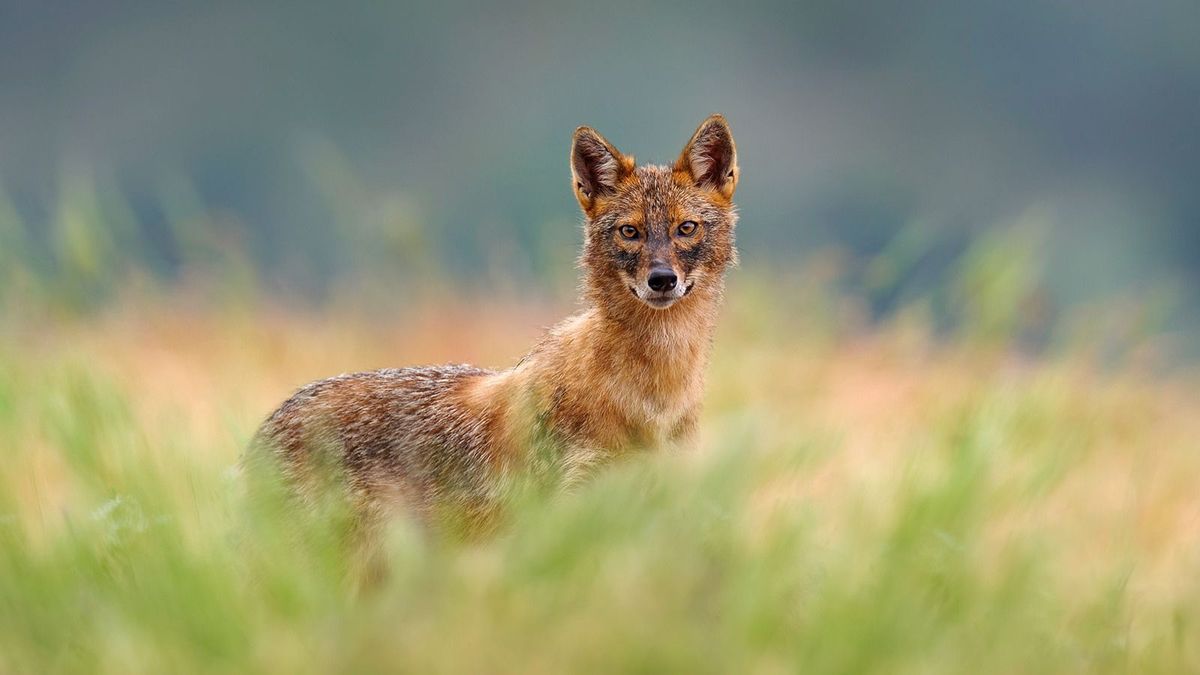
(394, 149)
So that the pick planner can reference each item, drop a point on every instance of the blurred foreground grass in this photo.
(862, 501)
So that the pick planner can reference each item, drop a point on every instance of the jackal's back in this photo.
(396, 434)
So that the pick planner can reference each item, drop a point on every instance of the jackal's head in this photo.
(656, 235)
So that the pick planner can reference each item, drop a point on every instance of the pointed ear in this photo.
(710, 158)
(596, 166)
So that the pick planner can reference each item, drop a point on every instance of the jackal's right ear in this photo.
(596, 167)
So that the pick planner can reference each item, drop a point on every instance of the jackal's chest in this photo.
(648, 412)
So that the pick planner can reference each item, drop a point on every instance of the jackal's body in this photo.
(624, 375)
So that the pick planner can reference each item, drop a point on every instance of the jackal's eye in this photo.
(687, 228)
(629, 232)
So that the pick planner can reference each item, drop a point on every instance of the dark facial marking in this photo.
(626, 260)
(692, 256)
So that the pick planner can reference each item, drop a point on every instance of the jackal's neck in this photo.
(678, 337)
(630, 355)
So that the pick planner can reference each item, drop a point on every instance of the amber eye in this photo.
(629, 232)
(687, 228)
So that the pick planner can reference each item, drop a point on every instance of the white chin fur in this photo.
(661, 301)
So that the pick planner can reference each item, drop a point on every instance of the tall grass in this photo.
(861, 502)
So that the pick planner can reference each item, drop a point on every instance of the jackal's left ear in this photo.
(596, 167)
(710, 158)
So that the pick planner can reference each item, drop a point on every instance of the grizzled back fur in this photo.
(447, 443)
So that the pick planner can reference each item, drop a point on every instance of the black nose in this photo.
(662, 280)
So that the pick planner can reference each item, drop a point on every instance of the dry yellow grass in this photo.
(1093, 471)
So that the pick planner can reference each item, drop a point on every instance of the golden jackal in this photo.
(625, 374)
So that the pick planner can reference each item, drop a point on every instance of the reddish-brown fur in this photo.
(624, 375)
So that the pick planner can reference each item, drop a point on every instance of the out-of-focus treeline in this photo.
(1001, 165)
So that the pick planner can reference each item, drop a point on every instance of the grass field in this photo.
(862, 501)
